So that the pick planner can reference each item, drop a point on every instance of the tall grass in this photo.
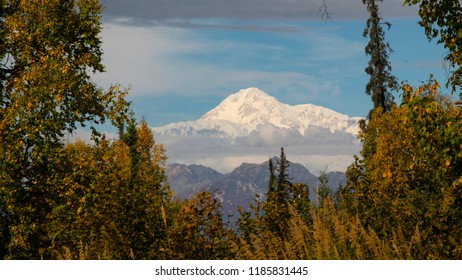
(332, 235)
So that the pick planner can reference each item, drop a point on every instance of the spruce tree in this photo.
(323, 191)
(379, 69)
(272, 178)
(283, 184)
(278, 197)
(130, 138)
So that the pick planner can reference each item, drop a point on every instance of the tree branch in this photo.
(324, 11)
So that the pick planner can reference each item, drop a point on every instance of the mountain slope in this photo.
(186, 180)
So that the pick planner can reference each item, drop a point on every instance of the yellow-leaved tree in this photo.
(103, 212)
(409, 175)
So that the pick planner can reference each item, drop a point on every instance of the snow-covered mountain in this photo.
(250, 125)
(246, 111)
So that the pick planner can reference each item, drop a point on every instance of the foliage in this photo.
(47, 51)
(323, 191)
(282, 193)
(102, 209)
(270, 218)
(409, 175)
(198, 230)
(442, 19)
(379, 69)
(278, 195)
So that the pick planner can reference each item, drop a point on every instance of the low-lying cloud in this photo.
(224, 155)
(268, 135)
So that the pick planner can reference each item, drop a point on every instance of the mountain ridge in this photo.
(241, 186)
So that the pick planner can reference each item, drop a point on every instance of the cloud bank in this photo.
(185, 12)
(317, 151)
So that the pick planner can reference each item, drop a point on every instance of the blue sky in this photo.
(182, 57)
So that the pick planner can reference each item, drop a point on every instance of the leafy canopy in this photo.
(48, 49)
(442, 20)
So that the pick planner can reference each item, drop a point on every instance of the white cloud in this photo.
(142, 57)
(85, 135)
(223, 156)
(318, 163)
(161, 61)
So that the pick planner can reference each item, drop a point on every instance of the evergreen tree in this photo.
(279, 197)
(130, 138)
(284, 201)
(272, 178)
(301, 201)
(323, 190)
(379, 69)
(283, 184)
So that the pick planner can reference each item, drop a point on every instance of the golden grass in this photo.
(333, 235)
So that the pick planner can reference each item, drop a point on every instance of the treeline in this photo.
(109, 199)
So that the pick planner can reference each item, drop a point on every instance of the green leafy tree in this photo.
(379, 69)
(441, 20)
(47, 51)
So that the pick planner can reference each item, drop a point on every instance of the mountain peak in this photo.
(250, 106)
(245, 106)
(250, 93)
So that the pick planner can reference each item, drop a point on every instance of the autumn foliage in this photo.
(409, 174)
